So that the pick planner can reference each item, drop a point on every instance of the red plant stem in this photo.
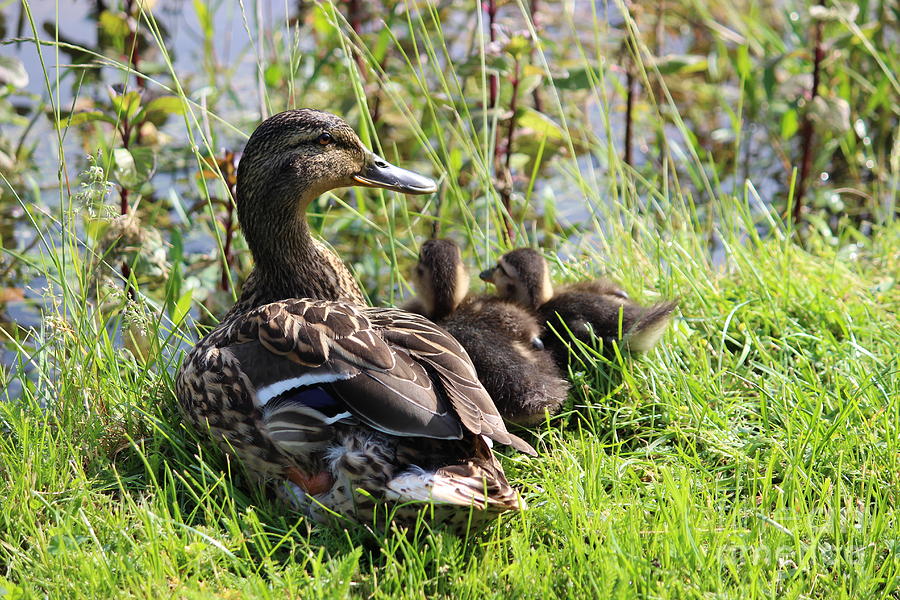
(494, 82)
(226, 250)
(231, 180)
(131, 46)
(436, 224)
(123, 200)
(630, 92)
(513, 105)
(126, 274)
(375, 111)
(807, 130)
(504, 168)
(501, 162)
(125, 131)
(535, 21)
(629, 112)
(354, 17)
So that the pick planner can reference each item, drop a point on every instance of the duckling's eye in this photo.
(325, 139)
(420, 270)
(510, 288)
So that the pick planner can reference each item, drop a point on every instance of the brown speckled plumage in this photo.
(502, 339)
(320, 394)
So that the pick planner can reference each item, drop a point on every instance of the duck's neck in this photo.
(290, 263)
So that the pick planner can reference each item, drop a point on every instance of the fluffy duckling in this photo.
(600, 306)
(501, 338)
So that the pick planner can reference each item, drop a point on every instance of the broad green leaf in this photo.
(84, 117)
(744, 66)
(831, 113)
(769, 80)
(321, 23)
(517, 45)
(125, 105)
(12, 72)
(144, 162)
(115, 26)
(7, 163)
(168, 104)
(94, 226)
(882, 96)
(681, 64)
(499, 64)
(273, 75)
(541, 124)
(124, 168)
(529, 83)
(789, 124)
(132, 168)
(158, 110)
(519, 161)
(382, 43)
(182, 307)
(204, 17)
(575, 79)
(9, 590)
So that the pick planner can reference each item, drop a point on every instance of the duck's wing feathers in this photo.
(288, 348)
(365, 359)
(448, 360)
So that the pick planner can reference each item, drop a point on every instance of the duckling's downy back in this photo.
(599, 307)
(603, 309)
(501, 338)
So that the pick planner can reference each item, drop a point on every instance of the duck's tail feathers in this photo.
(476, 483)
(648, 330)
(464, 485)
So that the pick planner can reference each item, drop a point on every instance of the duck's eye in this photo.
(420, 269)
(510, 288)
(325, 139)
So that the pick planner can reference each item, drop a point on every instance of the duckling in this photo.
(347, 408)
(599, 307)
(501, 338)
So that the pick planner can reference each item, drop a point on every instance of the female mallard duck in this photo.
(501, 338)
(308, 386)
(599, 307)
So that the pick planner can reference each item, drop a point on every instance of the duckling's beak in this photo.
(488, 275)
(379, 173)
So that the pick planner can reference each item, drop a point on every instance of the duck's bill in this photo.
(381, 174)
(488, 275)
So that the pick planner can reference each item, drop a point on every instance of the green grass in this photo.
(755, 453)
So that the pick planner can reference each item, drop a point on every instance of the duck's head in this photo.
(521, 276)
(440, 277)
(297, 155)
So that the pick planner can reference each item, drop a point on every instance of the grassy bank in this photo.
(754, 454)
